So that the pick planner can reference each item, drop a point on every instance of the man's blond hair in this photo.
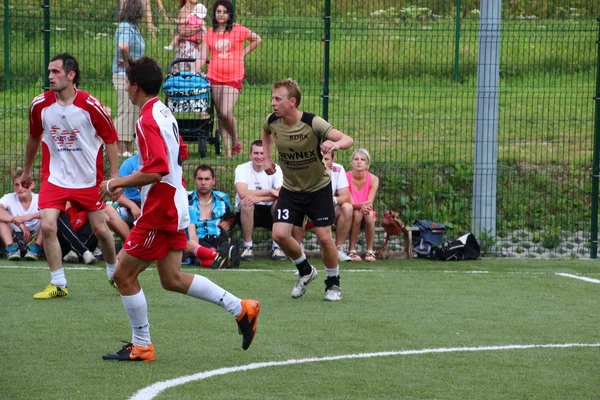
(292, 88)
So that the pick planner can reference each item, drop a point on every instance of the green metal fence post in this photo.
(596, 160)
(46, 31)
(6, 45)
(326, 42)
(457, 40)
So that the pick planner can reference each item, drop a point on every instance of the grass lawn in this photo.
(55, 346)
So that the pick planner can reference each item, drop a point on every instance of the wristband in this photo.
(334, 200)
(108, 186)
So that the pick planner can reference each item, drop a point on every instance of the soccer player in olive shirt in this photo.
(301, 139)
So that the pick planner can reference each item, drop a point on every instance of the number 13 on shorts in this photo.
(283, 214)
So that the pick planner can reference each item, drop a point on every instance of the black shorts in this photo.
(262, 217)
(293, 206)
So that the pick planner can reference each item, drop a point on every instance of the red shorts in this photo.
(234, 84)
(52, 196)
(153, 245)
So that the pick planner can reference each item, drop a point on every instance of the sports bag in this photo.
(463, 248)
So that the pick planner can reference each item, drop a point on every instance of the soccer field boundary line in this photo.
(150, 392)
(344, 270)
(581, 278)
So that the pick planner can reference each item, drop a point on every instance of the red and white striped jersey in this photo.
(72, 138)
(165, 203)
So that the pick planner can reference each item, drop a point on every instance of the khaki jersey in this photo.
(299, 150)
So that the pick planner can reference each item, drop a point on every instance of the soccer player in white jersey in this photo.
(71, 126)
(158, 233)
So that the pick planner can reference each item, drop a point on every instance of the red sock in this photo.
(206, 263)
(204, 253)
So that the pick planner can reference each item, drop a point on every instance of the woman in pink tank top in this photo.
(363, 188)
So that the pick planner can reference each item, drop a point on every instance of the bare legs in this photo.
(369, 224)
(51, 245)
(225, 98)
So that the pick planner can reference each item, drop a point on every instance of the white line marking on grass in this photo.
(99, 267)
(155, 389)
(583, 278)
(466, 272)
(46, 267)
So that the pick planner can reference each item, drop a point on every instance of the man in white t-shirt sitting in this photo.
(256, 194)
(343, 207)
(20, 222)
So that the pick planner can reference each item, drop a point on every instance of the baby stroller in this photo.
(188, 94)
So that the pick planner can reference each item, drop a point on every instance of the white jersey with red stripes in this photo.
(164, 203)
(72, 138)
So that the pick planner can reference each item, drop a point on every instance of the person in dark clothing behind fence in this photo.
(76, 237)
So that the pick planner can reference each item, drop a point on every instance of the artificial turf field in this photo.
(505, 329)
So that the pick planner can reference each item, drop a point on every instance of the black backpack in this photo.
(463, 248)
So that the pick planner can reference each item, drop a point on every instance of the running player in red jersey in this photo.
(71, 126)
(158, 233)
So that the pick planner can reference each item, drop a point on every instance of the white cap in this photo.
(200, 10)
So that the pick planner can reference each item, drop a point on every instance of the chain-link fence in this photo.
(400, 77)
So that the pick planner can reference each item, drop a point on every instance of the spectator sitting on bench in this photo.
(256, 194)
(75, 236)
(342, 204)
(20, 222)
(126, 209)
(211, 218)
(363, 188)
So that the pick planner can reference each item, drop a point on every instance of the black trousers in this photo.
(79, 241)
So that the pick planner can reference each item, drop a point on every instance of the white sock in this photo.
(204, 289)
(58, 278)
(333, 271)
(248, 244)
(300, 259)
(110, 269)
(137, 310)
(275, 246)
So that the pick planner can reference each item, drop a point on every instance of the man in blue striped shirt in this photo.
(211, 216)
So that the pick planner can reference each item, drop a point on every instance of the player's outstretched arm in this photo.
(137, 179)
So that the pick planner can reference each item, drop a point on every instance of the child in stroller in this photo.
(188, 94)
